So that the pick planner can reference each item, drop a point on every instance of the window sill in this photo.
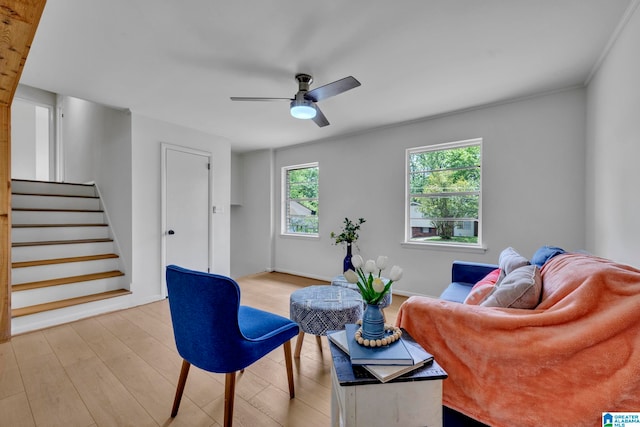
(300, 236)
(445, 247)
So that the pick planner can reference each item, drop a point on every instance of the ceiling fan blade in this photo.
(332, 89)
(243, 98)
(320, 119)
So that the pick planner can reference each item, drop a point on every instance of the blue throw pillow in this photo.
(544, 254)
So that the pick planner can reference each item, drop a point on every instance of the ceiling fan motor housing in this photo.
(304, 81)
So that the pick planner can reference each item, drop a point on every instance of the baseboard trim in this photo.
(299, 273)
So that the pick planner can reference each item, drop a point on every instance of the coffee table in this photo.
(359, 399)
(321, 308)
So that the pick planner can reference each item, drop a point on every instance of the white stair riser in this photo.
(43, 217)
(56, 271)
(47, 319)
(52, 188)
(33, 253)
(54, 202)
(57, 293)
(44, 234)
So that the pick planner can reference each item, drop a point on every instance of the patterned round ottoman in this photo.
(341, 281)
(318, 309)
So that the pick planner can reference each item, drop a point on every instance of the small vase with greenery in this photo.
(348, 235)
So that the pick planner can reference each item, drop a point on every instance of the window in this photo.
(300, 199)
(444, 194)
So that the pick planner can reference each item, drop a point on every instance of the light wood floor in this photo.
(121, 369)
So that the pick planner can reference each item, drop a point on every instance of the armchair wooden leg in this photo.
(229, 393)
(180, 388)
(289, 364)
(299, 344)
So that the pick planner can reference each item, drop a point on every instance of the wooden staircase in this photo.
(62, 251)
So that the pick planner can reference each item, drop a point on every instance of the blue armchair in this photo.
(215, 333)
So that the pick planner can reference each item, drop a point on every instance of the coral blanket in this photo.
(573, 357)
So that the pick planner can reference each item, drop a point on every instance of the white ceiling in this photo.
(180, 61)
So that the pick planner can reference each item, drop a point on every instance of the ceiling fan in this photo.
(303, 104)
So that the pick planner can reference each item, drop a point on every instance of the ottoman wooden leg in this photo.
(299, 344)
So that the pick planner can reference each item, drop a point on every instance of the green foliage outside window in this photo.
(302, 200)
(445, 189)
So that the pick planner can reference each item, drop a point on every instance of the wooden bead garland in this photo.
(396, 333)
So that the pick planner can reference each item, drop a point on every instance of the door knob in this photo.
(170, 232)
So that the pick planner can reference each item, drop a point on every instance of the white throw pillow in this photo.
(519, 289)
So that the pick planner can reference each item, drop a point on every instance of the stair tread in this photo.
(59, 242)
(56, 210)
(58, 225)
(66, 280)
(52, 261)
(79, 196)
(36, 181)
(24, 311)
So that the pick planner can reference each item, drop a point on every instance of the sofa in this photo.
(562, 352)
(464, 275)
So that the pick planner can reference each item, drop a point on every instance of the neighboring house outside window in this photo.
(443, 203)
(300, 200)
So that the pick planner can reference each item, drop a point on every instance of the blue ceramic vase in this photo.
(372, 322)
(346, 264)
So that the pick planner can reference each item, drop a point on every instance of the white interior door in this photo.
(187, 206)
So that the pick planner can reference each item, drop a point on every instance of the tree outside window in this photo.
(300, 190)
(444, 193)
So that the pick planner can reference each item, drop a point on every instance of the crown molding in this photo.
(626, 17)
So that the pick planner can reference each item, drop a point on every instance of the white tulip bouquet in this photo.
(371, 286)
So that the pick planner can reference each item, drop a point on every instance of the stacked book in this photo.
(385, 363)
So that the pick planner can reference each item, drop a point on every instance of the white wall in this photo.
(533, 188)
(82, 127)
(112, 172)
(613, 150)
(23, 140)
(147, 136)
(96, 146)
(237, 180)
(251, 221)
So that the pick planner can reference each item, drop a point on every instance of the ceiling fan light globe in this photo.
(303, 109)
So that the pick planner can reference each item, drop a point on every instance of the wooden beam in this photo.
(18, 23)
(5, 224)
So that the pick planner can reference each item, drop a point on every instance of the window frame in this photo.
(407, 241)
(284, 212)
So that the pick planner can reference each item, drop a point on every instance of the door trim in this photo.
(164, 147)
